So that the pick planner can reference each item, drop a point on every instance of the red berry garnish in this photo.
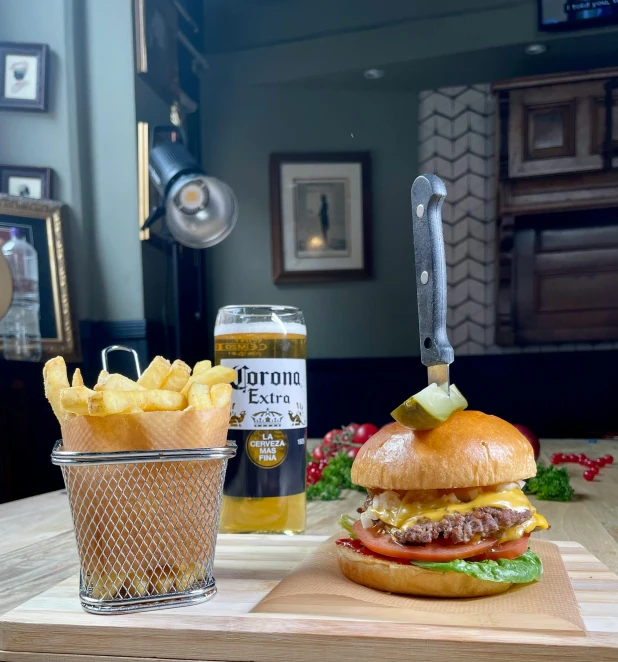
(555, 458)
(583, 461)
(609, 459)
(582, 456)
(594, 470)
(572, 457)
(589, 475)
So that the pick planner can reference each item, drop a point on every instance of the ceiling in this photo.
(569, 54)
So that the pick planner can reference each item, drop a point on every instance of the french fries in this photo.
(117, 382)
(217, 375)
(163, 386)
(211, 376)
(107, 586)
(155, 374)
(200, 366)
(55, 380)
(160, 400)
(137, 584)
(103, 376)
(177, 377)
(221, 395)
(199, 396)
(104, 403)
(75, 399)
(77, 380)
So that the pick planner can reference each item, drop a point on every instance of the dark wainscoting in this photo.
(29, 427)
(556, 394)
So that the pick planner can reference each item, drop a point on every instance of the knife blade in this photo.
(428, 193)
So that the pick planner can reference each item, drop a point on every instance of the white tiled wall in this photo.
(457, 143)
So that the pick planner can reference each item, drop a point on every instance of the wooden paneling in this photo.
(566, 279)
(550, 129)
(531, 195)
(597, 137)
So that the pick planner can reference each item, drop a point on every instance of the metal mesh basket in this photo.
(146, 525)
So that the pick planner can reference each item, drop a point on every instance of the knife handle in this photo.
(428, 193)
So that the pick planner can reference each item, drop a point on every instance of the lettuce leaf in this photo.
(524, 569)
(346, 522)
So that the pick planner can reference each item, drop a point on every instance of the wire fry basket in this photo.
(146, 525)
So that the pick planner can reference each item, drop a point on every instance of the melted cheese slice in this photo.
(537, 521)
(405, 513)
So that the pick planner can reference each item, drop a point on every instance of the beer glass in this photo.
(265, 483)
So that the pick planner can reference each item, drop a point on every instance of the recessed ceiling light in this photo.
(535, 49)
(373, 74)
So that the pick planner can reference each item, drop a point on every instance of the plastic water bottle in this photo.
(21, 331)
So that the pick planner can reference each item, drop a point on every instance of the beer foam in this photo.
(262, 327)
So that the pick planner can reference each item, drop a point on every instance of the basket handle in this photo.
(114, 348)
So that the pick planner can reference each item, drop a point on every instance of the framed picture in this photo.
(23, 76)
(41, 224)
(156, 48)
(25, 181)
(320, 207)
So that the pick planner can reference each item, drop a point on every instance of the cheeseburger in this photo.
(445, 513)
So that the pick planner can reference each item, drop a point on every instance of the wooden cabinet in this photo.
(566, 278)
(558, 129)
(558, 208)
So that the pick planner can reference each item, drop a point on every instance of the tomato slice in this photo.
(382, 543)
(506, 550)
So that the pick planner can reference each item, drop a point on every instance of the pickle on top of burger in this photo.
(445, 514)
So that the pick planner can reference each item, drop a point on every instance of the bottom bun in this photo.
(412, 580)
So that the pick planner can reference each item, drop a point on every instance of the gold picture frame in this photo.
(42, 222)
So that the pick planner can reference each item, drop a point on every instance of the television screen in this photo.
(564, 15)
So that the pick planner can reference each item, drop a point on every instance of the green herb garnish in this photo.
(550, 484)
(336, 476)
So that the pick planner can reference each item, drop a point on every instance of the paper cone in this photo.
(156, 430)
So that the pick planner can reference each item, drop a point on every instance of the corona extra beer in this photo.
(265, 483)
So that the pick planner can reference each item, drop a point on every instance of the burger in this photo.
(445, 513)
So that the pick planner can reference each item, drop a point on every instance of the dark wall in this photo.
(556, 394)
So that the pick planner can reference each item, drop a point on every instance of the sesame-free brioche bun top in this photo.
(470, 449)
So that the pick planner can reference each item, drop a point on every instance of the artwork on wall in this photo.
(23, 76)
(320, 216)
(156, 48)
(41, 225)
(26, 181)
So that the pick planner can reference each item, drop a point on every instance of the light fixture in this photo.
(200, 211)
(535, 49)
(373, 74)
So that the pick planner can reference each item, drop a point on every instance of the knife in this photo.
(428, 193)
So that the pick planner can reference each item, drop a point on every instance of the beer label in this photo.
(269, 463)
(269, 394)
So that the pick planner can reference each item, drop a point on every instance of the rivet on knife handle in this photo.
(428, 193)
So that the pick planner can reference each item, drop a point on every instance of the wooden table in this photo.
(37, 546)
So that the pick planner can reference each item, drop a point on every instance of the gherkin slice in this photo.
(429, 407)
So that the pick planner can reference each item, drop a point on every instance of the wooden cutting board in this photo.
(54, 628)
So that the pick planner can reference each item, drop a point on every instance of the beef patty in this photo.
(483, 522)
